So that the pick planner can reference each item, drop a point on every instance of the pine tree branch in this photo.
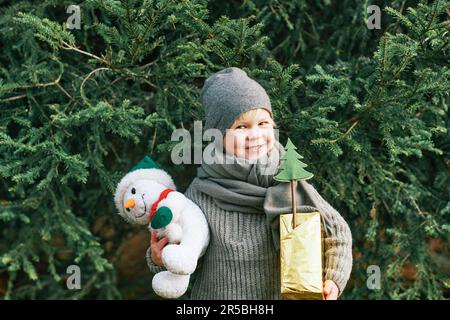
(40, 85)
(117, 79)
(149, 64)
(425, 216)
(64, 91)
(37, 85)
(13, 98)
(346, 133)
(87, 78)
(433, 16)
(384, 59)
(67, 46)
(354, 121)
(153, 140)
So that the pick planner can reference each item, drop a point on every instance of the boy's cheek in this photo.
(234, 140)
(231, 144)
(270, 140)
(270, 145)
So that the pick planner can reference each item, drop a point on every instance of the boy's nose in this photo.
(254, 134)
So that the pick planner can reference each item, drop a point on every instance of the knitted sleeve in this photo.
(151, 265)
(338, 243)
(338, 253)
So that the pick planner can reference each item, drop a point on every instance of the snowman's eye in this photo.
(133, 191)
(128, 209)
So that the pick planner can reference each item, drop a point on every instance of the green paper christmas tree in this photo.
(291, 170)
(292, 167)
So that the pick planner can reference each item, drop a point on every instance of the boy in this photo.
(241, 201)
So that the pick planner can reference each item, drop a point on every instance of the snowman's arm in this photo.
(175, 201)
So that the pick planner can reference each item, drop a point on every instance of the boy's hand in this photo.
(156, 248)
(330, 290)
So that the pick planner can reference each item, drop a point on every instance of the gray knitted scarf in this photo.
(236, 184)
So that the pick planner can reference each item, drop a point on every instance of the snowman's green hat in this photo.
(146, 163)
(146, 169)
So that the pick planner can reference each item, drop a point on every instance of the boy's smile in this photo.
(251, 135)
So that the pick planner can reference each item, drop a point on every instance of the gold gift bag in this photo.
(301, 256)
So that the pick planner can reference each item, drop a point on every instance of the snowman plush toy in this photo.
(147, 196)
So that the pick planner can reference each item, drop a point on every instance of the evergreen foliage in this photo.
(368, 109)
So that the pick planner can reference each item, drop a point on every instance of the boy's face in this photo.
(251, 135)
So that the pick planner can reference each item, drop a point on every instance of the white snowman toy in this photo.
(146, 195)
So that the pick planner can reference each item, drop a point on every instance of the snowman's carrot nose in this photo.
(129, 204)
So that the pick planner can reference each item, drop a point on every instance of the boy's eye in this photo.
(263, 123)
(240, 127)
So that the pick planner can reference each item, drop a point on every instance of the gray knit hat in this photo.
(229, 93)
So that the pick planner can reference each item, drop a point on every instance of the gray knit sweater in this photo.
(241, 262)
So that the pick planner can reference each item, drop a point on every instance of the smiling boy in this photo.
(240, 200)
